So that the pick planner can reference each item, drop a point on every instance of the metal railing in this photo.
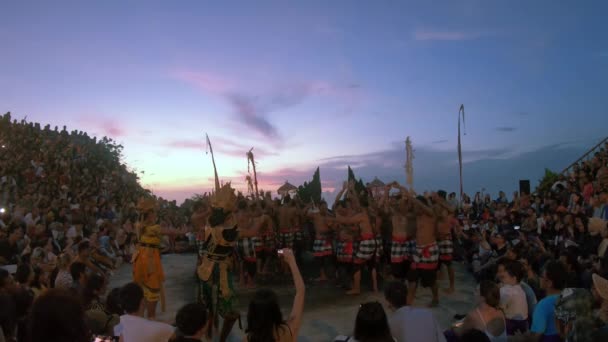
(587, 155)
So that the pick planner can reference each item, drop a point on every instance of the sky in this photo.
(310, 84)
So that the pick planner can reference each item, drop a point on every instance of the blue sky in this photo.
(308, 83)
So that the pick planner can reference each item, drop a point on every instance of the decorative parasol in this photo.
(286, 188)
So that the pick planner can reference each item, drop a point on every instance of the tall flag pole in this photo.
(409, 165)
(217, 179)
(460, 148)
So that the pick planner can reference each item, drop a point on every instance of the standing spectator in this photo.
(133, 326)
(192, 323)
(409, 323)
(57, 316)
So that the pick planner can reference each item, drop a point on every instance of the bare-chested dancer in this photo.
(245, 246)
(287, 220)
(445, 223)
(267, 239)
(366, 251)
(322, 246)
(425, 254)
(401, 241)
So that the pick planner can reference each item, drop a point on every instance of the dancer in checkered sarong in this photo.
(322, 246)
(446, 222)
(366, 252)
(245, 246)
(425, 256)
(287, 219)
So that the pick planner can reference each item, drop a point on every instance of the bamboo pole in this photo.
(217, 179)
(460, 150)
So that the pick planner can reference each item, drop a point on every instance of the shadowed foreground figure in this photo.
(220, 236)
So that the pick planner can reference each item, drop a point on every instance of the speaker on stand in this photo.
(524, 186)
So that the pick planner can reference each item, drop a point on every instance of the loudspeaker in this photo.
(524, 186)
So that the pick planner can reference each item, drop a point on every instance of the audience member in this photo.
(133, 327)
(192, 323)
(487, 316)
(409, 323)
(371, 325)
(264, 318)
(57, 316)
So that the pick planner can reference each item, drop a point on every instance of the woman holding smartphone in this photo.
(265, 322)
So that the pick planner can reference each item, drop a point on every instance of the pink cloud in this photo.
(430, 34)
(205, 81)
(104, 126)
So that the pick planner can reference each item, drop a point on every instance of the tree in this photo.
(311, 191)
(359, 186)
(547, 181)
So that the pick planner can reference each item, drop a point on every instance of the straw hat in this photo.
(601, 286)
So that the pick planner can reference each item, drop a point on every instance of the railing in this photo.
(587, 155)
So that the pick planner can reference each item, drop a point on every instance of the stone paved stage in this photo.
(328, 312)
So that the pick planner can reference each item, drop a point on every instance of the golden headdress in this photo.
(224, 198)
(146, 204)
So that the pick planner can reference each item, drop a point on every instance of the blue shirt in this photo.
(543, 321)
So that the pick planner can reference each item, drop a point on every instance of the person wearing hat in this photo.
(220, 235)
(147, 267)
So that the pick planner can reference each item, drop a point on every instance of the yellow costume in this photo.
(147, 268)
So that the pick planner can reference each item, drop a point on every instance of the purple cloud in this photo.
(445, 35)
(220, 145)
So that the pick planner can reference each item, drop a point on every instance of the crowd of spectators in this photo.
(67, 221)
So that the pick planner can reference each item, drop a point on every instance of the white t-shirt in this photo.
(513, 302)
(409, 324)
(138, 329)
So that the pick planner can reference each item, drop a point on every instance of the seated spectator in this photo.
(39, 283)
(23, 302)
(371, 325)
(553, 281)
(9, 247)
(6, 281)
(574, 315)
(92, 292)
(8, 320)
(57, 316)
(487, 317)
(24, 275)
(84, 256)
(600, 292)
(133, 327)
(513, 300)
(63, 280)
(192, 323)
(78, 271)
(264, 318)
(475, 335)
(409, 323)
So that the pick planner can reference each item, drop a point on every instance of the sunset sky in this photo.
(315, 83)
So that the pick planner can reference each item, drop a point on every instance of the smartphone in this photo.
(280, 251)
(516, 227)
